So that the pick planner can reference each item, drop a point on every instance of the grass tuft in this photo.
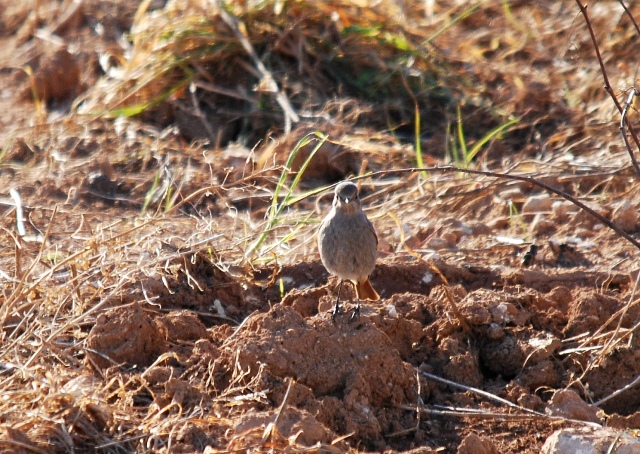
(277, 206)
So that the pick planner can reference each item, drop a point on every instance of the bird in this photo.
(348, 245)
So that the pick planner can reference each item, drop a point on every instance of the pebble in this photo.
(589, 440)
(450, 238)
(626, 216)
(476, 444)
(437, 243)
(498, 224)
(513, 194)
(495, 331)
(567, 403)
(560, 209)
(581, 232)
(542, 226)
(543, 347)
(537, 203)
(479, 228)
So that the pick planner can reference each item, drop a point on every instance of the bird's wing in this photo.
(373, 230)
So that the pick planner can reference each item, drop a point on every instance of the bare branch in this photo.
(607, 85)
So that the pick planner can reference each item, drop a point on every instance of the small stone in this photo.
(415, 239)
(498, 223)
(459, 233)
(437, 243)
(542, 226)
(512, 194)
(495, 331)
(541, 375)
(450, 238)
(503, 313)
(543, 346)
(475, 444)
(581, 232)
(56, 77)
(626, 216)
(531, 401)
(589, 440)
(564, 442)
(567, 403)
(457, 226)
(479, 228)
(537, 204)
(560, 210)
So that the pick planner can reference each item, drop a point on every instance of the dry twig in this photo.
(609, 89)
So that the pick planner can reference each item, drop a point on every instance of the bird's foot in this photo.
(336, 311)
(356, 312)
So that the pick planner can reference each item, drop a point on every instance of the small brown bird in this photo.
(348, 244)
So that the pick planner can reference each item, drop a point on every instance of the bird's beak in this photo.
(346, 199)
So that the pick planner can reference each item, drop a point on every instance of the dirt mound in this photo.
(321, 379)
(355, 376)
(126, 336)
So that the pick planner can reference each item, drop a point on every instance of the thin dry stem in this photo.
(609, 90)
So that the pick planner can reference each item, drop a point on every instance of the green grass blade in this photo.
(275, 209)
(489, 136)
(323, 138)
(149, 195)
(463, 15)
(136, 109)
(419, 160)
(461, 140)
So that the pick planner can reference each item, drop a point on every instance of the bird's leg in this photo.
(356, 311)
(336, 308)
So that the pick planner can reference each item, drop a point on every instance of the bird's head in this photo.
(346, 198)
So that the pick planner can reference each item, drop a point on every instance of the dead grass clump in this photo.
(65, 390)
(440, 82)
(216, 68)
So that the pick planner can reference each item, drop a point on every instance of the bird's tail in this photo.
(365, 291)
